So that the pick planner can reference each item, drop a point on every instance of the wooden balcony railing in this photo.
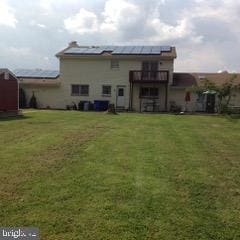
(151, 76)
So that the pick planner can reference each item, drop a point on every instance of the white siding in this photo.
(95, 73)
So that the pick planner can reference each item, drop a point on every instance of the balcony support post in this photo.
(166, 97)
(131, 96)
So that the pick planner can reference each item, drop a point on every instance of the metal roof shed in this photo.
(8, 93)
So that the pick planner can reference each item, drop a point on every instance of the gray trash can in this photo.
(86, 106)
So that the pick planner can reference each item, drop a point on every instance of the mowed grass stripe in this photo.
(130, 176)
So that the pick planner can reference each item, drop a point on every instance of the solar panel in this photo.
(128, 50)
(165, 48)
(93, 51)
(109, 48)
(137, 50)
(119, 50)
(36, 73)
(156, 50)
(146, 50)
(76, 50)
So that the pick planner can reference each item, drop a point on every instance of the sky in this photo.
(206, 33)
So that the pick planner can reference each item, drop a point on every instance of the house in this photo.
(183, 81)
(44, 84)
(8, 93)
(135, 78)
(132, 77)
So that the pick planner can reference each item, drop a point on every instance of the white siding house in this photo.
(134, 78)
(130, 80)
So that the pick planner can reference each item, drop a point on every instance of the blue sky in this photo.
(206, 33)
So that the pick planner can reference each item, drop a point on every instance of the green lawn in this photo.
(131, 176)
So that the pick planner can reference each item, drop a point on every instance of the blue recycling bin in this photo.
(101, 105)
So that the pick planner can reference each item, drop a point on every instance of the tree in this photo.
(226, 92)
(112, 109)
(22, 98)
(33, 102)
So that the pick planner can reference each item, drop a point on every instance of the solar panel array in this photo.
(119, 50)
(36, 73)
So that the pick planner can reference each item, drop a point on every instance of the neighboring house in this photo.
(8, 93)
(183, 81)
(135, 78)
(45, 84)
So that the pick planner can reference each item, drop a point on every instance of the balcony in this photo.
(149, 76)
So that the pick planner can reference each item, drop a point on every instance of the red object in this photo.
(8, 92)
(187, 97)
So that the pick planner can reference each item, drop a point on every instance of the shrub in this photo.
(33, 102)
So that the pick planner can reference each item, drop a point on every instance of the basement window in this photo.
(114, 64)
(149, 92)
(80, 90)
(106, 90)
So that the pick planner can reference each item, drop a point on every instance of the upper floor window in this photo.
(114, 64)
(106, 90)
(150, 69)
(150, 66)
(80, 90)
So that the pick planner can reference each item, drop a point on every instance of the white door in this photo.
(120, 96)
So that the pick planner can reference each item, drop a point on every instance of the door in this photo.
(210, 105)
(150, 70)
(120, 97)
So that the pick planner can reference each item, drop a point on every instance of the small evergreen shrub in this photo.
(33, 102)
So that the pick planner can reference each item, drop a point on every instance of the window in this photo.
(80, 90)
(153, 92)
(149, 92)
(150, 66)
(75, 89)
(84, 89)
(114, 64)
(106, 90)
(121, 92)
(150, 69)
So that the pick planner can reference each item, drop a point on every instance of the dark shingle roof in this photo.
(193, 79)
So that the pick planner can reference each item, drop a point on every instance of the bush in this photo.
(232, 110)
(33, 102)
(175, 108)
(112, 109)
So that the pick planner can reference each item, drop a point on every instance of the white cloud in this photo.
(119, 15)
(165, 32)
(124, 17)
(7, 16)
(206, 33)
(20, 51)
(41, 25)
(203, 58)
(83, 22)
(34, 23)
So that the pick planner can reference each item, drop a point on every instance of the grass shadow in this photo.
(15, 118)
(234, 118)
